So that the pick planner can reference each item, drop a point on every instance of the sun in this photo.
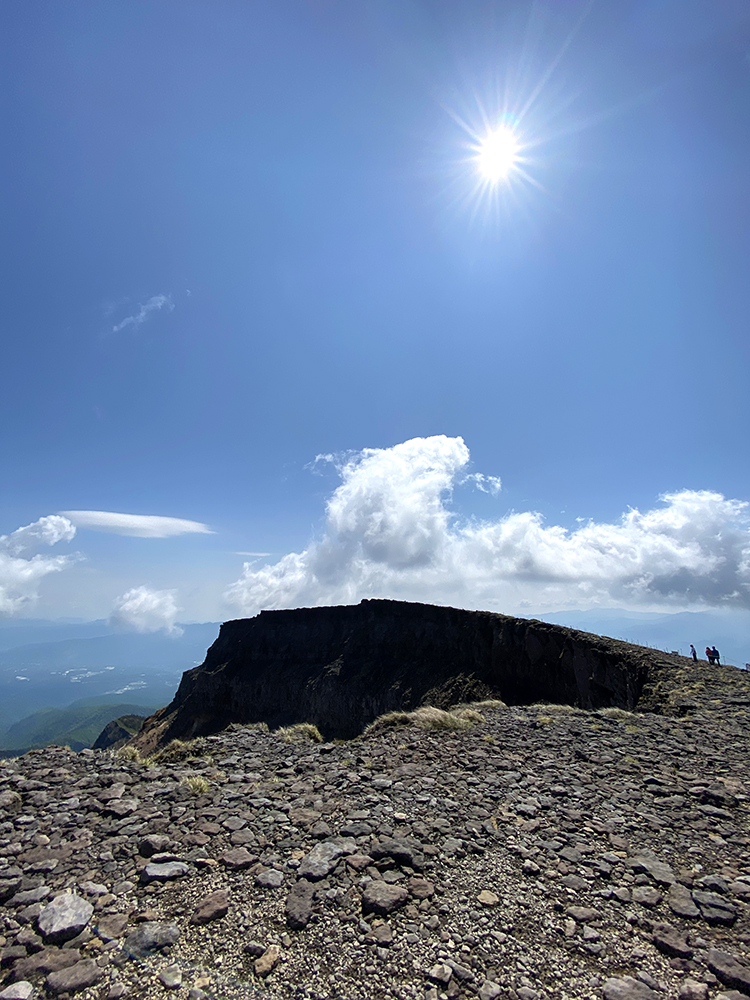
(497, 154)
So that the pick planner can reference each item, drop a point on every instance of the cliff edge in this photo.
(341, 667)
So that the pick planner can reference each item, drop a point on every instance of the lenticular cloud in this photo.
(22, 566)
(389, 532)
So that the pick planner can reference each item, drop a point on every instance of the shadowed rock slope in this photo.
(341, 667)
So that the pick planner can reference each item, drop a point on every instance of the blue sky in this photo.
(239, 236)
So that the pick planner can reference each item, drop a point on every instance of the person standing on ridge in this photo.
(715, 652)
(693, 653)
(709, 654)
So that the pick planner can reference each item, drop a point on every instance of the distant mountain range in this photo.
(51, 664)
(92, 671)
(76, 726)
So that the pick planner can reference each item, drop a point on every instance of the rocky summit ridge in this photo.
(339, 668)
(525, 852)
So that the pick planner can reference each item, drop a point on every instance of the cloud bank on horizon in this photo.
(22, 567)
(142, 609)
(389, 532)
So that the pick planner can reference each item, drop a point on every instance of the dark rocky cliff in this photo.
(341, 667)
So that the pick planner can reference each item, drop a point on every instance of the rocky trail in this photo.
(544, 852)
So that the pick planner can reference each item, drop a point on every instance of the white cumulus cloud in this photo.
(154, 304)
(22, 566)
(137, 525)
(144, 610)
(389, 532)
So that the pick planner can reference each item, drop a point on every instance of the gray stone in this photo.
(270, 879)
(30, 941)
(153, 843)
(681, 902)
(715, 909)
(238, 858)
(404, 851)
(267, 961)
(648, 862)
(383, 897)
(671, 941)
(45, 961)
(254, 948)
(691, 989)
(451, 846)
(440, 973)
(627, 988)
(64, 918)
(111, 927)
(121, 807)
(729, 970)
(151, 937)
(321, 861)
(211, 907)
(489, 990)
(582, 914)
(18, 991)
(171, 977)
(234, 823)
(76, 977)
(572, 855)
(298, 905)
(10, 801)
(164, 872)
(646, 895)
(30, 896)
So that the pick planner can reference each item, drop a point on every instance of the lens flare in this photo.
(498, 154)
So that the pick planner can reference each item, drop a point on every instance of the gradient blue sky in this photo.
(237, 236)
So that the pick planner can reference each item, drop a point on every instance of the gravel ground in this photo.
(544, 852)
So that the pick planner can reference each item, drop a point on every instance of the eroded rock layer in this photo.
(341, 667)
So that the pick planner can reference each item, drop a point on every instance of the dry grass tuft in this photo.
(559, 709)
(489, 705)
(468, 714)
(389, 721)
(174, 751)
(299, 733)
(430, 718)
(197, 784)
(129, 753)
(620, 714)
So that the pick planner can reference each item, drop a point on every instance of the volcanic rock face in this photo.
(341, 667)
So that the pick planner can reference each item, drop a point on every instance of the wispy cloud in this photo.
(144, 610)
(154, 304)
(389, 532)
(485, 484)
(22, 567)
(135, 525)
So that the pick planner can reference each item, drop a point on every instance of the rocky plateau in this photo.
(528, 852)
